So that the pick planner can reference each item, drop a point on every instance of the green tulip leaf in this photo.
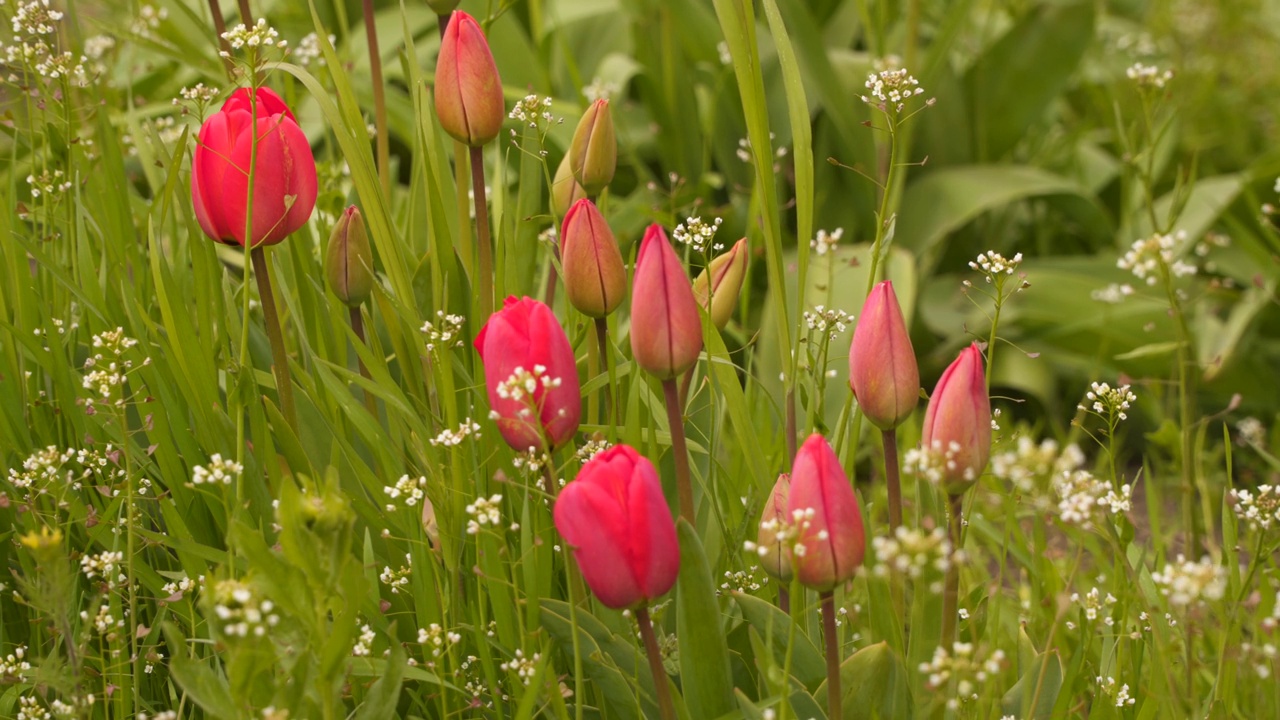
(874, 685)
(807, 664)
(1037, 690)
(705, 677)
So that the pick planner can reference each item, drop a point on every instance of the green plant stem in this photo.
(882, 219)
(1184, 412)
(280, 358)
(891, 478)
(606, 393)
(660, 681)
(833, 653)
(951, 593)
(991, 340)
(553, 279)
(357, 327)
(484, 244)
(675, 421)
(131, 548)
(379, 100)
(791, 422)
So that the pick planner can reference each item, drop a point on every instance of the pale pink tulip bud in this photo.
(666, 333)
(957, 424)
(882, 365)
(724, 275)
(595, 278)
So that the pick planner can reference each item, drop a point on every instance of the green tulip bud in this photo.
(593, 155)
(348, 262)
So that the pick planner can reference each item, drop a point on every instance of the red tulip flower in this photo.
(468, 90)
(284, 171)
(595, 278)
(831, 540)
(882, 364)
(615, 519)
(531, 375)
(957, 424)
(666, 332)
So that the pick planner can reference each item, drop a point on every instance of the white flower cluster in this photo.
(103, 621)
(96, 47)
(1251, 431)
(107, 369)
(102, 565)
(308, 49)
(1092, 602)
(1186, 582)
(964, 666)
(198, 93)
(1148, 76)
(1263, 657)
(523, 667)
(484, 512)
(522, 385)
(220, 471)
(452, 438)
(742, 580)
(29, 708)
(600, 89)
(1258, 510)
(260, 35)
(48, 182)
(1031, 462)
(531, 462)
(699, 235)
(1108, 402)
(786, 535)
(241, 612)
(533, 110)
(592, 448)
(935, 463)
(992, 263)
(438, 638)
(826, 242)
(1121, 695)
(1083, 498)
(35, 18)
(364, 644)
(912, 551)
(745, 154)
(1113, 294)
(41, 467)
(445, 332)
(823, 320)
(891, 89)
(1145, 257)
(181, 586)
(410, 489)
(15, 665)
(397, 580)
(149, 18)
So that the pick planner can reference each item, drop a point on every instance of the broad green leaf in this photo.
(705, 678)
(1035, 693)
(874, 685)
(807, 664)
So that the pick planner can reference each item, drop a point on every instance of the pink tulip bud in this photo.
(775, 554)
(666, 333)
(531, 375)
(882, 364)
(831, 541)
(595, 278)
(284, 171)
(724, 275)
(593, 154)
(615, 519)
(468, 91)
(957, 424)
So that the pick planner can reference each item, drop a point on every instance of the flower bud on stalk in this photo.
(595, 278)
(593, 154)
(666, 332)
(882, 364)
(725, 275)
(831, 540)
(775, 556)
(468, 91)
(565, 190)
(957, 423)
(348, 262)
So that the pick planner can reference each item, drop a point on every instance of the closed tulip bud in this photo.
(565, 190)
(429, 524)
(283, 171)
(775, 555)
(830, 542)
(724, 275)
(882, 364)
(593, 154)
(468, 91)
(348, 262)
(531, 375)
(594, 277)
(957, 424)
(616, 521)
(666, 333)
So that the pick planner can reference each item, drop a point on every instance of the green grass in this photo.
(1038, 143)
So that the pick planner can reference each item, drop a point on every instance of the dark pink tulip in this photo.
(882, 364)
(775, 556)
(957, 423)
(666, 332)
(524, 342)
(615, 519)
(468, 90)
(284, 171)
(831, 535)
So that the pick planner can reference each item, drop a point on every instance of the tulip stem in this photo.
(357, 327)
(675, 421)
(485, 271)
(602, 339)
(951, 593)
(379, 99)
(553, 279)
(280, 359)
(892, 482)
(220, 27)
(246, 15)
(791, 421)
(833, 653)
(660, 682)
(784, 600)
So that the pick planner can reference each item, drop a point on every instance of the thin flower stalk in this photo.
(665, 708)
(382, 141)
